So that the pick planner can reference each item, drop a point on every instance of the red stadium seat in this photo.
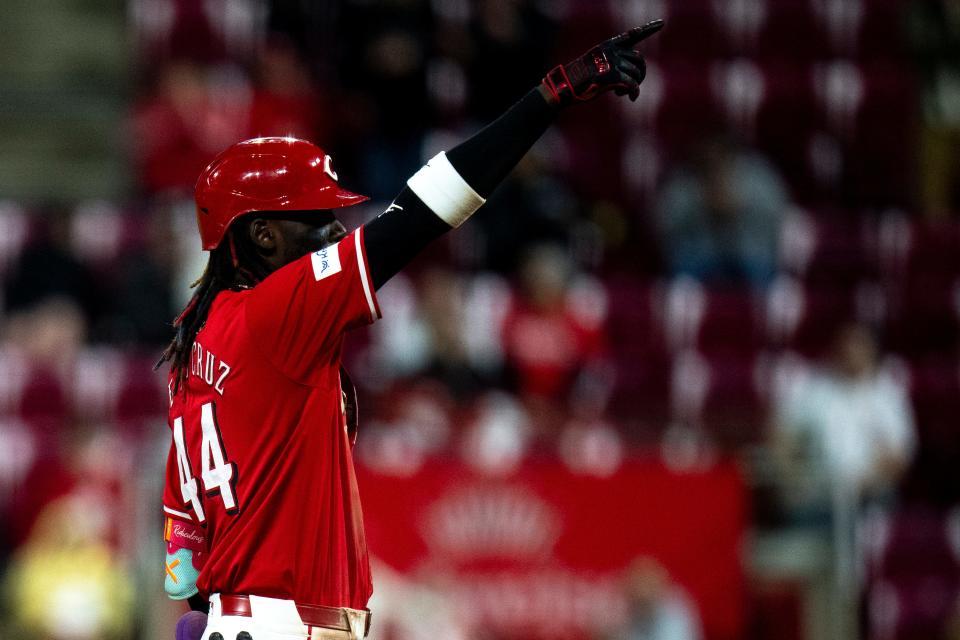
(842, 255)
(641, 393)
(732, 324)
(918, 544)
(934, 250)
(693, 32)
(44, 397)
(717, 394)
(880, 34)
(631, 325)
(714, 322)
(805, 319)
(732, 410)
(911, 608)
(935, 391)
(688, 109)
(791, 31)
(881, 154)
(926, 319)
(916, 578)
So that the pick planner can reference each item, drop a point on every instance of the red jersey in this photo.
(260, 457)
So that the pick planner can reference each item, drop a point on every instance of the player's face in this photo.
(290, 239)
(301, 237)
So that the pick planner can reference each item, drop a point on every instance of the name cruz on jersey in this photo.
(206, 366)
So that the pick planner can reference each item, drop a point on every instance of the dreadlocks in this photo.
(233, 265)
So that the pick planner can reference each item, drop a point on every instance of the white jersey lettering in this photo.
(209, 368)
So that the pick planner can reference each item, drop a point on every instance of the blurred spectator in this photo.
(443, 302)
(406, 607)
(554, 332)
(408, 424)
(847, 427)
(33, 472)
(70, 580)
(933, 34)
(721, 215)
(47, 269)
(49, 334)
(447, 331)
(284, 100)
(507, 34)
(385, 51)
(66, 582)
(190, 117)
(166, 28)
(533, 206)
(397, 77)
(144, 297)
(659, 610)
(41, 344)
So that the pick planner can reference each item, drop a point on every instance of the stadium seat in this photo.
(732, 410)
(926, 318)
(805, 319)
(842, 256)
(935, 392)
(631, 325)
(916, 578)
(641, 393)
(44, 397)
(882, 151)
(732, 324)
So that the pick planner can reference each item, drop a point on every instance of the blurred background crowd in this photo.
(692, 373)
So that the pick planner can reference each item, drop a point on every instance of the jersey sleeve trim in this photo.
(365, 276)
(178, 514)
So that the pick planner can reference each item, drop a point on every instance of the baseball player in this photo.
(263, 523)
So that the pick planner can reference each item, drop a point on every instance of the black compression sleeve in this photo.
(397, 235)
(486, 158)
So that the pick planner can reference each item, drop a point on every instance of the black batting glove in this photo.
(612, 65)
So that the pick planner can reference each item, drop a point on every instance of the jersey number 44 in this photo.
(219, 477)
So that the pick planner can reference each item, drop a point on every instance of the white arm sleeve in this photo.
(445, 191)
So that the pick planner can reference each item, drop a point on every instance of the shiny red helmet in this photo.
(265, 174)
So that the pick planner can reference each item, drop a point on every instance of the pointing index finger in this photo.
(638, 34)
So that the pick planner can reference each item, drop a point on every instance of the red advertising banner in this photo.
(543, 552)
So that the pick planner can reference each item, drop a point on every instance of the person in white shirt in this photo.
(844, 434)
(847, 426)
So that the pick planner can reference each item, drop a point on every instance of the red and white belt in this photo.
(312, 615)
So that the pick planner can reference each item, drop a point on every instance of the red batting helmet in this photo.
(265, 174)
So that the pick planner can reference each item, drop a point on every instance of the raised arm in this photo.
(453, 185)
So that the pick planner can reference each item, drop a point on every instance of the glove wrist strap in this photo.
(558, 86)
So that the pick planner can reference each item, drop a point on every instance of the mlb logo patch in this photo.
(326, 262)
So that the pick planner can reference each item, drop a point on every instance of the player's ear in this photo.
(263, 234)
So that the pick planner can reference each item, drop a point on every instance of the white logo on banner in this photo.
(326, 262)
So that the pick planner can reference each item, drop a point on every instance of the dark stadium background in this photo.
(573, 423)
